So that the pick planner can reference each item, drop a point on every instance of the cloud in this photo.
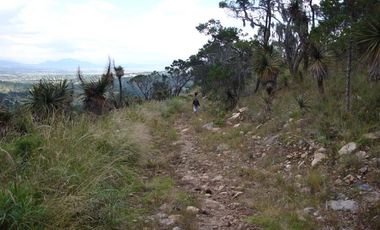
(146, 32)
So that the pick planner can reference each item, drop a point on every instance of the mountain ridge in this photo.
(64, 65)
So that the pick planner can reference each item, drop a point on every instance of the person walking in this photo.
(196, 103)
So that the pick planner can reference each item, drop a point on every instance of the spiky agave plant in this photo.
(266, 66)
(94, 90)
(368, 38)
(48, 97)
(5, 118)
(303, 102)
(318, 68)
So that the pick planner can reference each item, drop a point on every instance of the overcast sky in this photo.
(149, 32)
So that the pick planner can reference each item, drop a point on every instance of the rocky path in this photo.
(211, 177)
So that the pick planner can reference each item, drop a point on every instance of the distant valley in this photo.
(17, 78)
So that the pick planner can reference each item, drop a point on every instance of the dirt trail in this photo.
(213, 178)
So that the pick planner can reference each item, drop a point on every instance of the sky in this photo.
(144, 32)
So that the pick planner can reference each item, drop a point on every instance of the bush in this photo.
(161, 90)
(5, 118)
(49, 97)
(25, 145)
(22, 121)
(171, 107)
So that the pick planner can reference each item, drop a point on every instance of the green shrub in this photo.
(25, 145)
(303, 102)
(171, 107)
(286, 221)
(48, 97)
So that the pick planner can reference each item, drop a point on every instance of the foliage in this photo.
(94, 91)
(180, 75)
(318, 68)
(119, 72)
(368, 38)
(144, 83)
(88, 173)
(257, 14)
(266, 66)
(25, 145)
(20, 208)
(222, 66)
(49, 97)
(302, 102)
(161, 90)
(281, 222)
(5, 118)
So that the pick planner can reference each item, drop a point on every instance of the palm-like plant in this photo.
(368, 37)
(94, 90)
(266, 66)
(119, 71)
(318, 68)
(302, 102)
(48, 97)
(5, 118)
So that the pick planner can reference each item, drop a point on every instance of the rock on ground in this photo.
(348, 148)
(192, 210)
(318, 157)
(372, 136)
(343, 205)
(210, 127)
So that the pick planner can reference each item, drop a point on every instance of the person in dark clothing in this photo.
(196, 103)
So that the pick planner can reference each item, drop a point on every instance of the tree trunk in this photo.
(121, 92)
(258, 82)
(312, 14)
(268, 21)
(321, 88)
(348, 76)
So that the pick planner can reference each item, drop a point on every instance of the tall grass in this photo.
(82, 173)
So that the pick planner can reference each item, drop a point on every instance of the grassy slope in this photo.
(279, 194)
(89, 172)
(113, 171)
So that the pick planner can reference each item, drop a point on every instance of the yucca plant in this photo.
(368, 38)
(318, 68)
(266, 66)
(303, 102)
(5, 118)
(48, 97)
(119, 72)
(95, 90)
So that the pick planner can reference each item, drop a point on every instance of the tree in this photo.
(180, 75)
(223, 64)
(144, 83)
(119, 72)
(256, 13)
(339, 19)
(292, 33)
(94, 95)
(161, 89)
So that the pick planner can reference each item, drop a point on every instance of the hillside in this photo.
(159, 166)
(266, 118)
